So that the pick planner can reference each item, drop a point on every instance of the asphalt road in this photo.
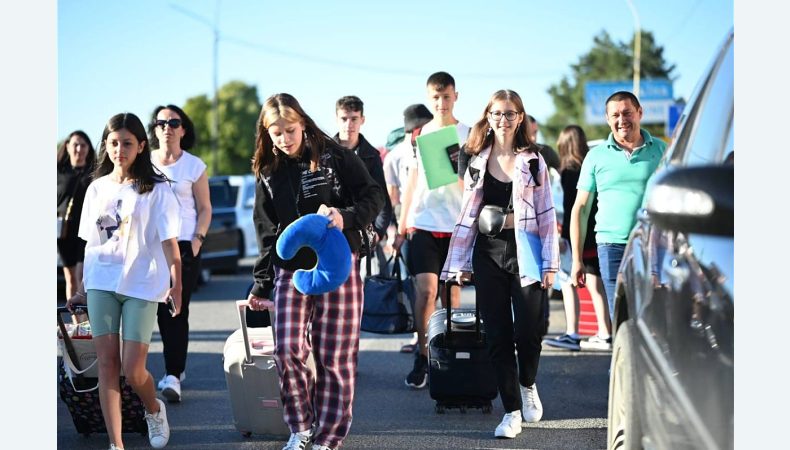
(387, 415)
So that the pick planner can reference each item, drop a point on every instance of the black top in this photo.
(496, 192)
(72, 184)
(569, 178)
(292, 191)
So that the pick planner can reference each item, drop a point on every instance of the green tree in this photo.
(606, 61)
(239, 108)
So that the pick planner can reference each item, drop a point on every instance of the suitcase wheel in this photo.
(246, 433)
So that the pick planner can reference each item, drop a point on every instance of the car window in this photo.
(701, 131)
(222, 195)
(715, 117)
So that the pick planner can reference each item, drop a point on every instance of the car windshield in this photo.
(223, 195)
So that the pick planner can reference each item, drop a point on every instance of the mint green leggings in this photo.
(107, 309)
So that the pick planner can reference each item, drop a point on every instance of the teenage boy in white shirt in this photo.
(427, 220)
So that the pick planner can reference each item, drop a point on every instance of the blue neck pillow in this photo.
(329, 245)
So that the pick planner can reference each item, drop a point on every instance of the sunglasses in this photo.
(172, 123)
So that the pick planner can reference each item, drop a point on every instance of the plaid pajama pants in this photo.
(327, 325)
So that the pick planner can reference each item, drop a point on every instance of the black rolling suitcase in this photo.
(460, 373)
(81, 394)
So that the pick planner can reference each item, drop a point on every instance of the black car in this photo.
(671, 384)
(224, 242)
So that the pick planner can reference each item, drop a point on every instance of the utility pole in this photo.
(637, 47)
(215, 104)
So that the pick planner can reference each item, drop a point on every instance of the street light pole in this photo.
(637, 47)
(215, 104)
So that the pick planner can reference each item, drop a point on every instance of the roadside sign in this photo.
(655, 96)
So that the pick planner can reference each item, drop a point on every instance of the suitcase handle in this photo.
(447, 285)
(241, 306)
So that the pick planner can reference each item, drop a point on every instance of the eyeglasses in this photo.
(172, 123)
(497, 115)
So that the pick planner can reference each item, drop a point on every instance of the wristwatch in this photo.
(200, 236)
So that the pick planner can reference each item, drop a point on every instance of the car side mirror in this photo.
(694, 200)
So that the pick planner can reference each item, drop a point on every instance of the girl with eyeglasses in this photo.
(506, 171)
(300, 170)
(76, 158)
(130, 224)
(172, 133)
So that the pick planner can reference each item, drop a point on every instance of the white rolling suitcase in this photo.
(252, 379)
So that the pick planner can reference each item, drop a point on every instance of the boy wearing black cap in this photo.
(395, 168)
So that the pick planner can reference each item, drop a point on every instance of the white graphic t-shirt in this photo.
(123, 231)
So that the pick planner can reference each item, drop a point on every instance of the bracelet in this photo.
(201, 237)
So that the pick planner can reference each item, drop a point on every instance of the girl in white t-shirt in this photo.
(130, 224)
(172, 133)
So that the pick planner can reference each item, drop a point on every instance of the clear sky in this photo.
(118, 56)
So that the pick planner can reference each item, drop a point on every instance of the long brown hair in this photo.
(266, 159)
(481, 136)
(142, 170)
(572, 146)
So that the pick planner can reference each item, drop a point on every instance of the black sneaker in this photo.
(418, 377)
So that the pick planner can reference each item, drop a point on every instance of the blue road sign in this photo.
(655, 96)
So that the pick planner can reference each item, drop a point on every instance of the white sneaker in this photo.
(113, 447)
(532, 407)
(299, 441)
(597, 343)
(320, 447)
(510, 426)
(158, 428)
(171, 389)
(161, 384)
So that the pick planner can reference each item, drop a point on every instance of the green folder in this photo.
(439, 156)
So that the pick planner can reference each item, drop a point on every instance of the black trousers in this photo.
(513, 315)
(175, 330)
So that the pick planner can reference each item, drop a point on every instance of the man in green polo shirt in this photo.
(617, 171)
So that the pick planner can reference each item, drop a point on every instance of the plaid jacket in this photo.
(533, 212)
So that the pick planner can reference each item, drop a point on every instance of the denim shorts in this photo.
(109, 310)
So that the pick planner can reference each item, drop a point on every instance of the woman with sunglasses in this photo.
(300, 170)
(76, 158)
(171, 133)
(130, 223)
(507, 172)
